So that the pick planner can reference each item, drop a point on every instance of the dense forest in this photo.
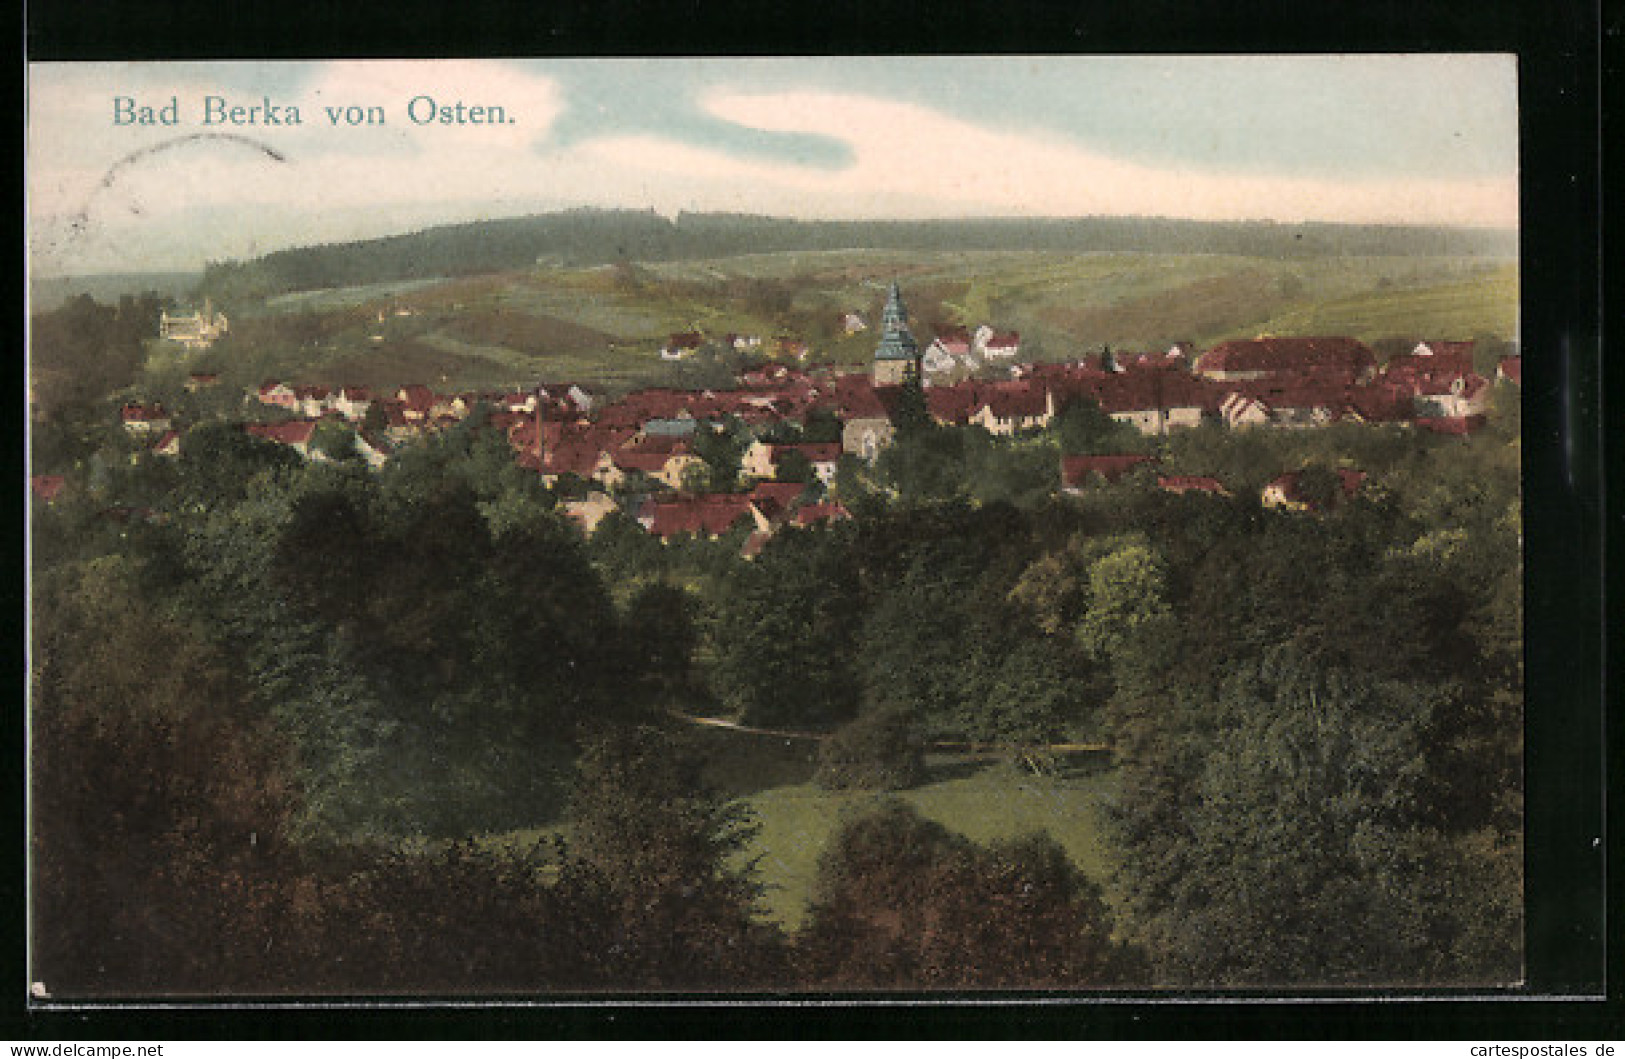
(602, 237)
(276, 703)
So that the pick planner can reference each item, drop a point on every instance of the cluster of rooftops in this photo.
(645, 441)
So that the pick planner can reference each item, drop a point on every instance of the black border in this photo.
(1559, 45)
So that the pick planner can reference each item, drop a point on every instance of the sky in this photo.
(1423, 139)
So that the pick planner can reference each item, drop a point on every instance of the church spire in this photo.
(897, 354)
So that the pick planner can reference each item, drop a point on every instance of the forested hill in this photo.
(597, 237)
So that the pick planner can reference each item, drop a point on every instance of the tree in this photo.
(155, 792)
(784, 636)
(661, 631)
(794, 466)
(878, 750)
(911, 414)
(1127, 609)
(1082, 428)
(1287, 840)
(722, 448)
(655, 853)
(902, 903)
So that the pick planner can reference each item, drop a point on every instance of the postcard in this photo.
(942, 526)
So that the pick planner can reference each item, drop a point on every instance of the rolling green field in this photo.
(983, 802)
(604, 325)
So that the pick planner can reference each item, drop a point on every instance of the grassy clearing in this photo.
(796, 819)
(983, 802)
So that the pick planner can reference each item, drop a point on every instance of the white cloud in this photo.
(907, 150)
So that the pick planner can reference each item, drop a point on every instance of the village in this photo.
(798, 422)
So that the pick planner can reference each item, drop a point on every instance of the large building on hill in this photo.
(197, 330)
(898, 354)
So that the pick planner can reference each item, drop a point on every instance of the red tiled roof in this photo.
(951, 404)
(1453, 424)
(140, 413)
(1190, 483)
(779, 494)
(296, 432)
(1075, 470)
(47, 486)
(708, 514)
(857, 397)
(1288, 483)
(1318, 355)
(1457, 351)
(1511, 368)
(812, 514)
(816, 452)
(1010, 400)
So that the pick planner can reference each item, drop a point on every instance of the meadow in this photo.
(604, 325)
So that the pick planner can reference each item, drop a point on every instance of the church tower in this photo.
(897, 355)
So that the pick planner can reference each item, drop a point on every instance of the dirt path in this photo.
(967, 749)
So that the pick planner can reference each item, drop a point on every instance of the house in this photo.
(312, 400)
(1191, 483)
(852, 323)
(1078, 471)
(1452, 398)
(418, 403)
(702, 515)
(1007, 408)
(1152, 399)
(295, 434)
(865, 412)
(1240, 411)
(1284, 490)
(1454, 425)
(169, 444)
(47, 487)
(989, 344)
(201, 380)
(761, 459)
(374, 451)
(665, 459)
(195, 330)
(1332, 360)
(681, 344)
(1510, 369)
(143, 419)
(588, 513)
(948, 352)
(278, 395)
(821, 514)
(351, 402)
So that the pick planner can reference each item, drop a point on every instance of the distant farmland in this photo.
(604, 325)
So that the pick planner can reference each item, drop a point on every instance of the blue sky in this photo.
(1400, 139)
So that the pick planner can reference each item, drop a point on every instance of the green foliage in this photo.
(878, 750)
(148, 769)
(722, 448)
(1081, 429)
(902, 903)
(783, 635)
(655, 847)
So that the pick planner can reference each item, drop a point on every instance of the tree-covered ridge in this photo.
(602, 237)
